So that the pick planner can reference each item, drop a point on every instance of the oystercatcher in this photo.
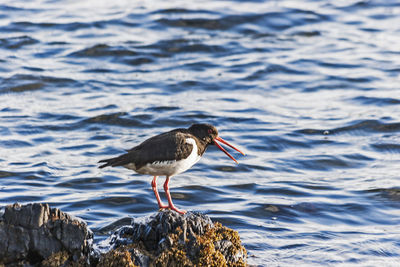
(168, 154)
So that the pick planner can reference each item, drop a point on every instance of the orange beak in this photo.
(223, 150)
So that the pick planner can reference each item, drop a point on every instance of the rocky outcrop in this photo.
(36, 235)
(32, 233)
(171, 239)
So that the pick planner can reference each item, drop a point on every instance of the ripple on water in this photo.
(357, 127)
(22, 82)
(387, 196)
(14, 143)
(17, 42)
(122, 119)
(377, 101)
(325, 162)
(391, 148)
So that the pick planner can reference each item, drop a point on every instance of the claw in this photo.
(177, 210)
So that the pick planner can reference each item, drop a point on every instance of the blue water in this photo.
(308, 89)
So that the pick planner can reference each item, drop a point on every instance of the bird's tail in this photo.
(109, 162)
(118, 161)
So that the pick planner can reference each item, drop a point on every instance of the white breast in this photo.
(170, 167)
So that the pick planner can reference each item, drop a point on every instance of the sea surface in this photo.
(310, 90)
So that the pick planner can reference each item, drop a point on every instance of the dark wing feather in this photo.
(167, 146)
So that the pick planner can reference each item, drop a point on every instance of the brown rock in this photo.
(35, 234)
(172, 239)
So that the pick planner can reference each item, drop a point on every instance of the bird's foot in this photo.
(172, 208)
(177, 210)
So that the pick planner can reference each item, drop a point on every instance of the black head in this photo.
(209, 134)
(205, 132)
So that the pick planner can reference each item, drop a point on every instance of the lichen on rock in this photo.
(171, 239)
(37, 235)
(121, 256)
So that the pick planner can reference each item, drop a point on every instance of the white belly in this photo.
(169, 167)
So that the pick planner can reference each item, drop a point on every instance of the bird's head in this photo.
(205, 132)
(209, 134)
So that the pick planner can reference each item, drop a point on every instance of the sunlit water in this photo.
(309, 89)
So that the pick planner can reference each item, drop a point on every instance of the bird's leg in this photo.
(171, 205)
(154, 186)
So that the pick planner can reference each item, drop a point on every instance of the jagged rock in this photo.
(37, 235)
(34, 232)
(171, 239)
(117, 257)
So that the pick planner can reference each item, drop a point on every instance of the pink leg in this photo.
(171, 205)
(154, 186)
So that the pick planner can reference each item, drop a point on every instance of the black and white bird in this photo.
(168, 154)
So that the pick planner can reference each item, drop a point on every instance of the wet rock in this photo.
(118, 257)
(171, 239)
(34, 233)
(37, 235)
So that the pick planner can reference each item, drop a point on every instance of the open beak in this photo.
(223, 150)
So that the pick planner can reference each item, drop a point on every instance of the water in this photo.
(308, 89)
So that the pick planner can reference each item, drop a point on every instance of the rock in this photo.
(172, 239)
(116, 258)
(37, 235)
(35, 232)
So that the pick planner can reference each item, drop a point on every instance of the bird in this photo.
(168, 154)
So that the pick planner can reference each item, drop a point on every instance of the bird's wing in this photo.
(166, 146)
